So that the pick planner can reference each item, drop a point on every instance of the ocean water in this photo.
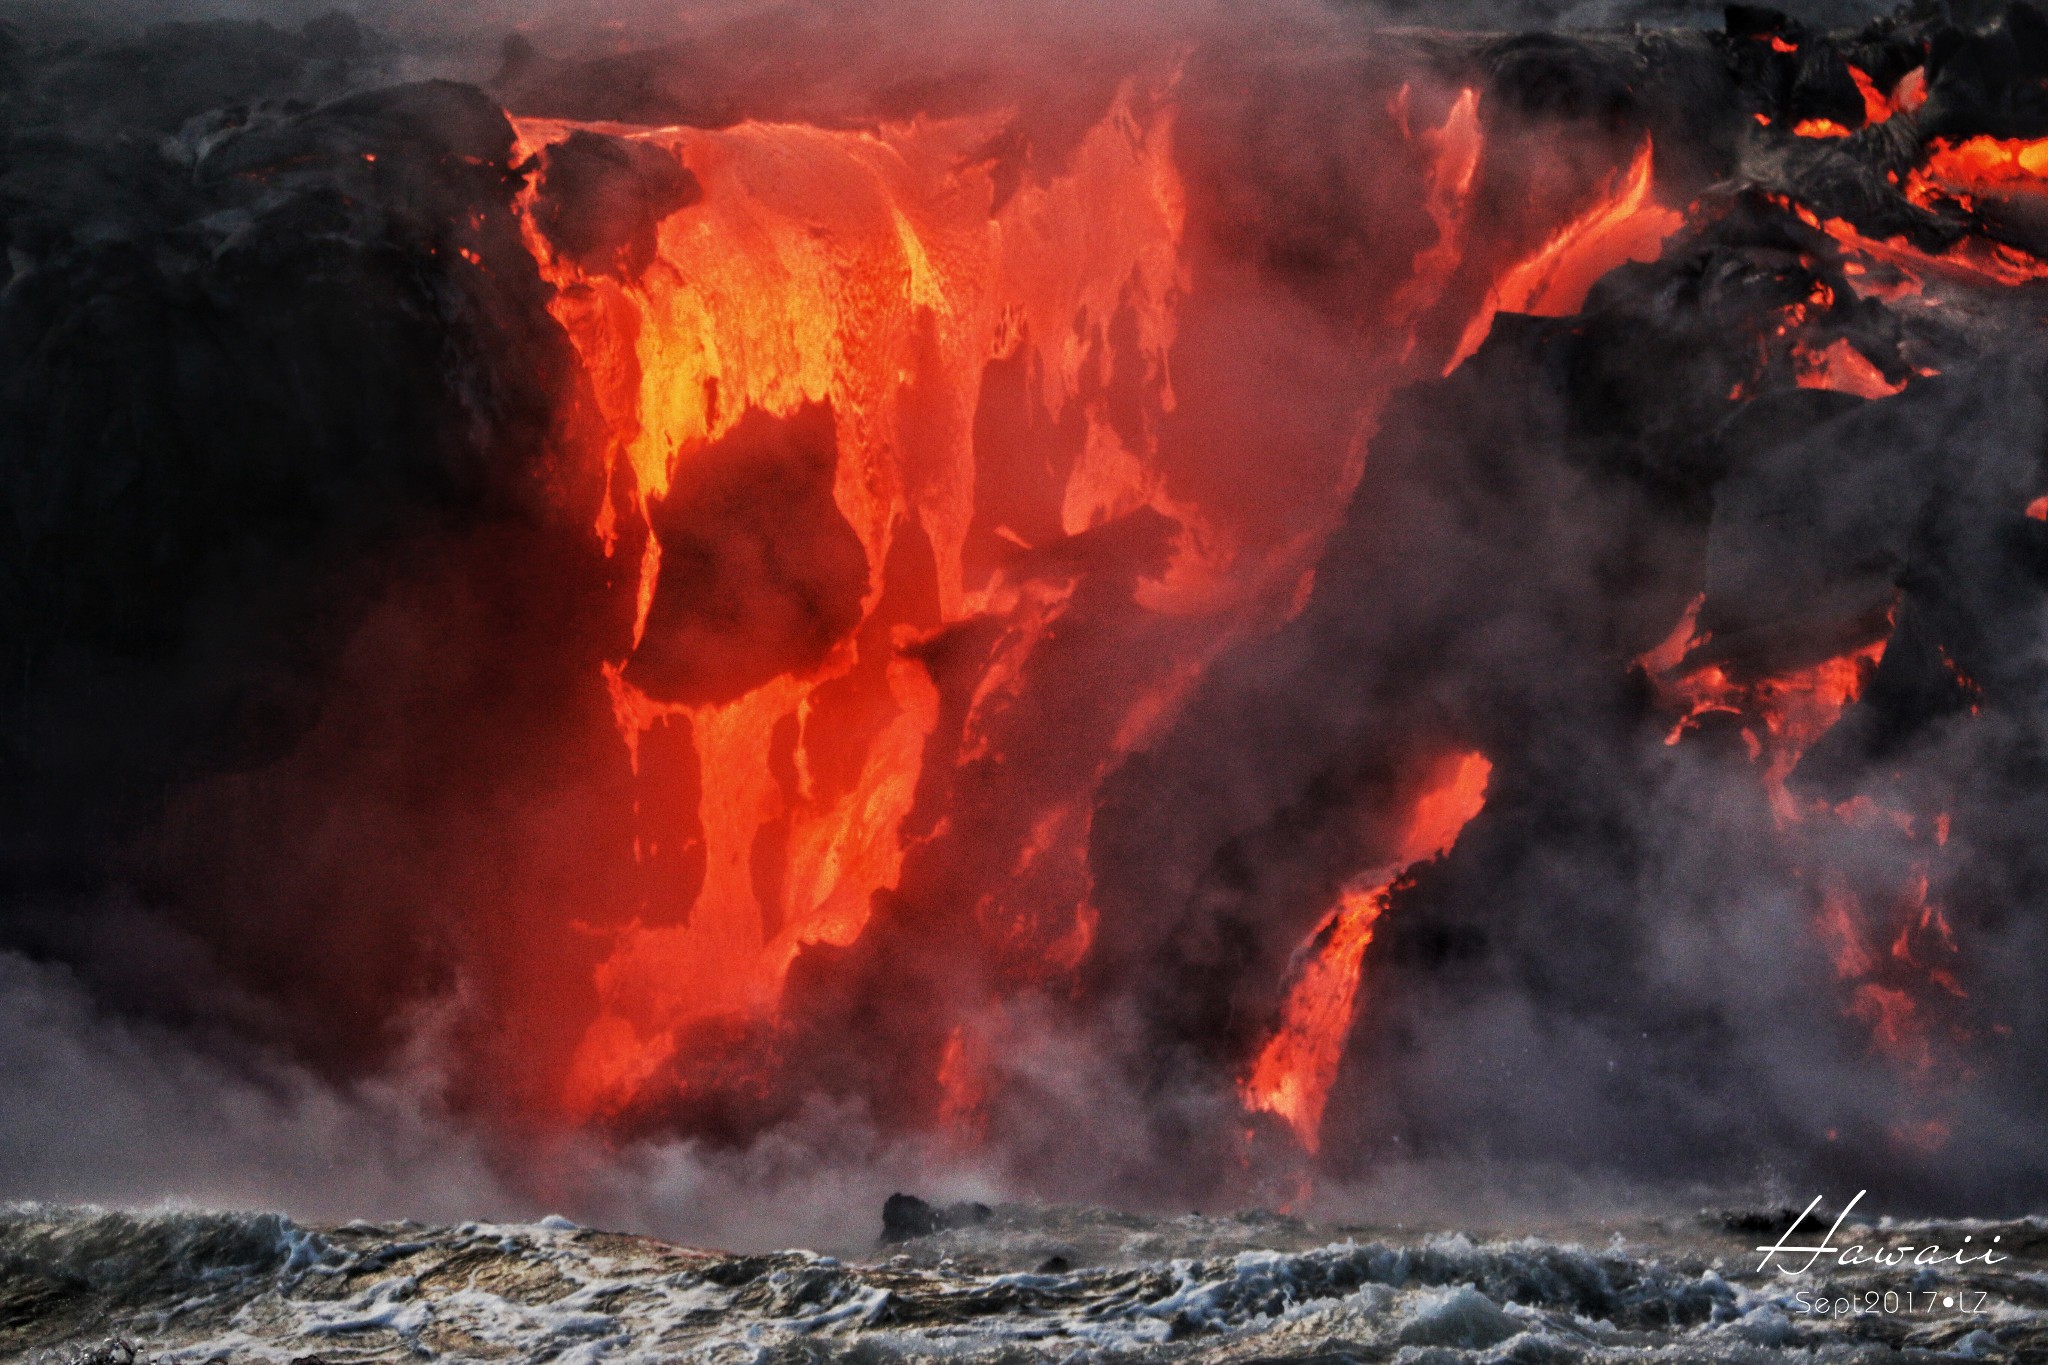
(1027, 1285)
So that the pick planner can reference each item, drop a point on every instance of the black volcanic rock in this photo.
(761, 572)
(905, 1217)
(266, 332)
(601, 199)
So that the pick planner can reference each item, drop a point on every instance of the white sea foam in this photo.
(188, 1287)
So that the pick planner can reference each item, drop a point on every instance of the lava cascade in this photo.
(863, 274)
(843, 294)
(1624, 224)
(1292, 1075)
(802, 621)
(830, 308)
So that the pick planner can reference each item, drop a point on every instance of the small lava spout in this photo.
(1295, 1069)
(1625, 224)
(1843, 368)
(963, 1086)
(1454, 159)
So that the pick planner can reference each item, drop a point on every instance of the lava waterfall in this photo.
(1193, 627)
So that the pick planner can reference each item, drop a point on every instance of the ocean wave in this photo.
(186, 1287)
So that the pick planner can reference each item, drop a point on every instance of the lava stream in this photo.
(849, 286)
(1781, 715)
(1295, 1069)
(1624, 224)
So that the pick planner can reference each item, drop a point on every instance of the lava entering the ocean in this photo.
(801, 361)
(1134, 616)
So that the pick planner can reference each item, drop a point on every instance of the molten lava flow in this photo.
(1897, 965)
(1895, 268)
(1781, 716)
(1819, 127)
(963, 1088)
(1843, 368)
(849, 286)
(1876, 108)
(1959, 176)
(1973, 260)
(1907, 95)
(1294, 1071)
(1981, 164)
(1624, 224)
(880, 416)
(1454, 158)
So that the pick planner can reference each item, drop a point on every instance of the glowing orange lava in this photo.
(1982, 163)
(865, 271)
(826, 316)
(1895, 961)
(1454, 158)
(963, 1088)
(1898, 963)
(1843, 368)
(1902, 268)
(1294, 1071)
(1624, 224)
(1781, 716)
(1907, 94)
